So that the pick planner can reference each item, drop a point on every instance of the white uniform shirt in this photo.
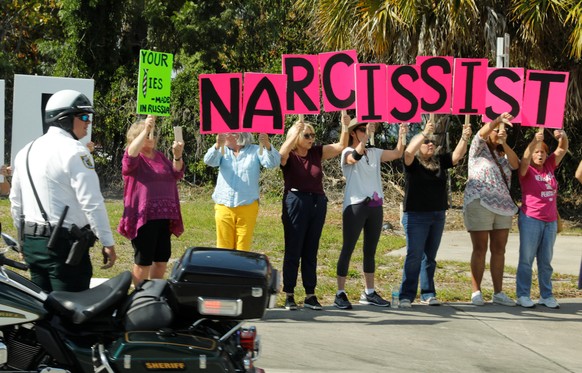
(63, 172)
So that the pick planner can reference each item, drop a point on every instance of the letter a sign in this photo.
(154, 81)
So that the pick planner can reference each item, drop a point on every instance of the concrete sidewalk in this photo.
(454, 337)
(456, 245)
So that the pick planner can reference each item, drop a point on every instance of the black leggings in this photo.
(355, 218)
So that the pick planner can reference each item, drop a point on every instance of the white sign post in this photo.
(31, 93)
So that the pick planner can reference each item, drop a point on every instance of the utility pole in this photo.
(502, 51)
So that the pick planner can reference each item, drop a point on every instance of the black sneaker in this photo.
(342, 302)
(290, 303)
(312, 303)
(374, 299)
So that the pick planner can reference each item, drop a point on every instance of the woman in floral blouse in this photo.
(488, 206)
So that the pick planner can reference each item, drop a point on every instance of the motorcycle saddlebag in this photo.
(147, 351)
(220, 284)
(147, 307)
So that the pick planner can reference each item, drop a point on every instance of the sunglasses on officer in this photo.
(83, 117)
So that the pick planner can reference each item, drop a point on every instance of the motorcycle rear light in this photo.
(219, 307)
(247, 339)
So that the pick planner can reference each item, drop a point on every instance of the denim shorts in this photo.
(478, 218)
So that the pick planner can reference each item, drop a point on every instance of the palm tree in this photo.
(545, 34)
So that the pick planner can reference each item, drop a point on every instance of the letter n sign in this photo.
(220, 102)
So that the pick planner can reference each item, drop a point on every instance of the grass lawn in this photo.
(452, 278)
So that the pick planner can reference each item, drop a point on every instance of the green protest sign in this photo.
(154, 81)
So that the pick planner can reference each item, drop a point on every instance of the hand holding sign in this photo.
(501, 121)
(402, 131)
(467, 132)
(220, 141)
(150, 122)
(345, 120)
(370, 129)
(264, 142)
(539, 136)
(428, 128)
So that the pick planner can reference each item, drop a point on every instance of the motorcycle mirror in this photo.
(10, 241)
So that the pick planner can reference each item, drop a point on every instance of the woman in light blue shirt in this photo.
(237, 188)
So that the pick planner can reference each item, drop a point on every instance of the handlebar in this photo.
(13, 263)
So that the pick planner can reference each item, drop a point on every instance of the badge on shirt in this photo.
(88, 162)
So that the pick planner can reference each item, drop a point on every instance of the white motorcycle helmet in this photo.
(63, 106)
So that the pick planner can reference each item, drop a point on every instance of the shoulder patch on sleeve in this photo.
(87, 161)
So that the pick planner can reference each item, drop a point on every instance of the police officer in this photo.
(63, 174)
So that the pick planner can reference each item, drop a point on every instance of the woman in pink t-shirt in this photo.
(538, 217)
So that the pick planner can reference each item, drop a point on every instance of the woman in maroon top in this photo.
(304, 206)
(150, 198)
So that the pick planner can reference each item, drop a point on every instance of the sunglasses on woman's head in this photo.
(308, 136)
(361, 129)
(83, 117)
(426, 142)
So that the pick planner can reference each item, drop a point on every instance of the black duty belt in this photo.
(42, 230)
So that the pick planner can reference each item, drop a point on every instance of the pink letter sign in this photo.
(302, 83)
(263, 99)
(220, 102)
(403, 94)
(504, 92)
(436, 83)
(337, 80)
(371, 93)
(545, 90)
(469, 85)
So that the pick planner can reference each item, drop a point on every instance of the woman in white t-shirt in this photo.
(362, 207)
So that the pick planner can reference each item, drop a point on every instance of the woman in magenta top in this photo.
(150, 198)
(538, 217)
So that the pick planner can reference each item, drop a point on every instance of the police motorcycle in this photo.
(192, 322)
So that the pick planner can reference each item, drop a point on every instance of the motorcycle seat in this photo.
(78, 307)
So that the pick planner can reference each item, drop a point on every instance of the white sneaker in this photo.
(550, 302)
(431, 301)
(525, 302)
(504, 300)
(405, 303)
(477, 298)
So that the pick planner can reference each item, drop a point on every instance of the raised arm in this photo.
(269, 158)
(291, 141)
(527, 153)
(579, 172)
(461, 148)
(333, 150)
(487, 128)
(563, 144)
(392, 154)
(137, 144)
(416, 142)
